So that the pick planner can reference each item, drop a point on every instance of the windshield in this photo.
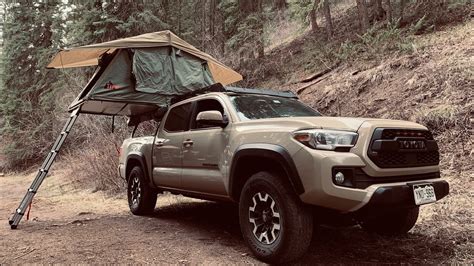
(250, 107)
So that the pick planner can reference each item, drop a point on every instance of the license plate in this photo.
(424, 193)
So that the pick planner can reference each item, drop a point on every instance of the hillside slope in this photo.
(433, 85)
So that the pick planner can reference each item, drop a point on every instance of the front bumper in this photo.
(121, 170)
(315, 168)
(388, 197)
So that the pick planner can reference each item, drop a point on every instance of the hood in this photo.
(328, 122)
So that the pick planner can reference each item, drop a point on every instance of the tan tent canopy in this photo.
(89, 55)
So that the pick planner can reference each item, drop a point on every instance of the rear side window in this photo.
(178, 118)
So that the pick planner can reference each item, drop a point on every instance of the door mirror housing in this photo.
(211, 118)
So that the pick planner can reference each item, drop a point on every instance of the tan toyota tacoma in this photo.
(286, 165)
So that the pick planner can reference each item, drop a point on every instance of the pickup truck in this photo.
(286, 166)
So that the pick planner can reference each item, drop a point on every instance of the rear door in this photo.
(203, 150)
(167, 149)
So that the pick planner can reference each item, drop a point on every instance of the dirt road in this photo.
(73, 226)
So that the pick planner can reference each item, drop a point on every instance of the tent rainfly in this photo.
(140, 74)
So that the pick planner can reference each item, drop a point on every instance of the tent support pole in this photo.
(43, 171)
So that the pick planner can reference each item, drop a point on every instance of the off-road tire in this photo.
(296, 219)
(393, 223)
(145, 203)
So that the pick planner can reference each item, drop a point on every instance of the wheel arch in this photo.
(251, 158)
(136, 159)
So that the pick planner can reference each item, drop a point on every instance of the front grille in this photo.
(391, 133)
(396, 148)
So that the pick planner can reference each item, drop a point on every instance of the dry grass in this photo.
(94, 162)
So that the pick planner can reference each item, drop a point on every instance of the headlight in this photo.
(323, 139)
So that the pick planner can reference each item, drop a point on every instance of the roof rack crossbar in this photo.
(219, 88)
(284, 94)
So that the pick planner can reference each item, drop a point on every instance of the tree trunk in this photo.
(222, 29)
(260, 44)
(402, 10)
(166, 8)
(249, 6)
(280, 5)
(379, 12)
(363, 14)
(254, 7)
(389, 10)
(212, 17)
(179, 16)
(327, 16)
(203, 24)
(313, 18)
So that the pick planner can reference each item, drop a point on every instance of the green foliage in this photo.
(375, 43)
(386, 40)
(91, 22)
(28, 92)
(300, 9)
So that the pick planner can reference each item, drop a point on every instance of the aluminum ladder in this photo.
(43, 171)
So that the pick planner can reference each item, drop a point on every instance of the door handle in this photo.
(188, 143)
(160, 143)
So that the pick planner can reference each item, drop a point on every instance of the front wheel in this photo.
(141, 197)
(393, 223)
(276, 225)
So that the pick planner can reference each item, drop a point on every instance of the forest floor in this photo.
(70, 225)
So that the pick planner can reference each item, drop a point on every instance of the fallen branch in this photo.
(24, 254)
(303, 88)
(319, 74)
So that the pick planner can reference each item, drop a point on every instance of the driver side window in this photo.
(206, 105)
(178, 118)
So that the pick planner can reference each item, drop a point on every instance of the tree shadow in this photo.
(354, 245)
(219, 222)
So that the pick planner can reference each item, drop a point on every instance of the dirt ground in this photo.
(75, 226)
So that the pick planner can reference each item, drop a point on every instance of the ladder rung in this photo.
(32, 191)
(43, 170)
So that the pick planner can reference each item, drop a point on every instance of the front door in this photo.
(203, 149)
(168, 147)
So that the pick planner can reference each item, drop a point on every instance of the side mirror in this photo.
(211, 118)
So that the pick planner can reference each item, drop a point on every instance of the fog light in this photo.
(339, 178)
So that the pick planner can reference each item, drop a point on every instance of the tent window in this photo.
(178, 118)
(153, 71)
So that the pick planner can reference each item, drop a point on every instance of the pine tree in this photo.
(32, 35)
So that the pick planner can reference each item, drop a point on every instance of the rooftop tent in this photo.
(139, 74)
(135, 76)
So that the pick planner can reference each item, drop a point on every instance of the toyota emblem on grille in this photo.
(411, 144)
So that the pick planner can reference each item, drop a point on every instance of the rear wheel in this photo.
(276, 225)
(393, 223)
(141, 197)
